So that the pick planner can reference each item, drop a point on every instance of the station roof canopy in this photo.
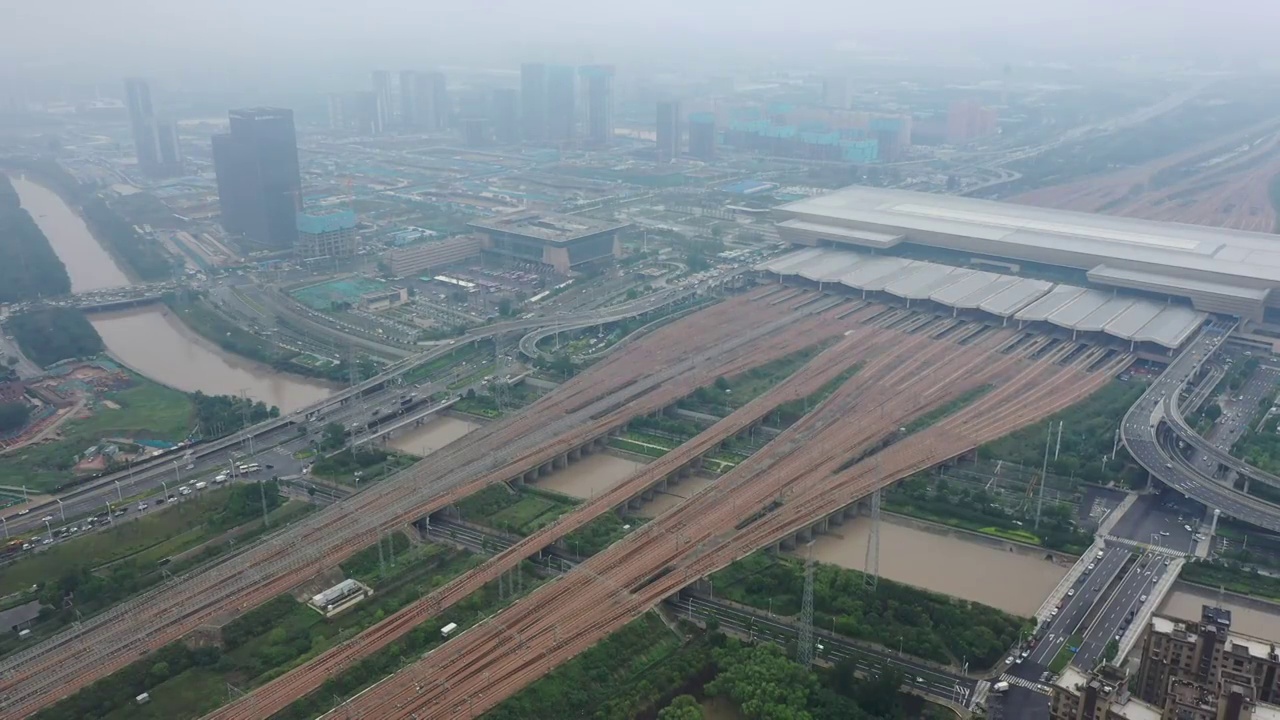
(1218, 269)
(1009, 296)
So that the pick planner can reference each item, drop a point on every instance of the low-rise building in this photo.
(384, 299)
(563, 242)
(326, 233)
(426, 256)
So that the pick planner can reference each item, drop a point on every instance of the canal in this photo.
(150, 340)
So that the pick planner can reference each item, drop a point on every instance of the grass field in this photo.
(147, 411)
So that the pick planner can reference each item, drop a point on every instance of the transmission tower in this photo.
(871, 571)
(804, 650)
(499, 386)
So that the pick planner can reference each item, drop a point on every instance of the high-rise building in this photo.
(835, 92)
(968, 120)
(475, 131)
(382, 89)
(1189, 667)
(702, 136)
(504, 115)
(1099, 695)
(259, 184)
(533, 101)
(424, 100)
(561, 92)
(357, 112)
(438, 88)
(142, 121)
(415, 104)
(170, 149)
(668, 131)
(598, 88)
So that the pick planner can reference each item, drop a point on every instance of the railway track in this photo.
(722, 340)
(821, 464)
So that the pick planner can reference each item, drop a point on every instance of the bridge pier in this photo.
(559, 462)
(575, 454)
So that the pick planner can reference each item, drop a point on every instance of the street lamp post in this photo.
(165, 485)
(177, 476)
(6, 527)
(119, 494)
(899, 644)
(61, 510)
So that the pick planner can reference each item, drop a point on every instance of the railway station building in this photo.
(563, 242)
(1209, 270)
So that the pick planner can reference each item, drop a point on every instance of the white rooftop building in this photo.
(1218, 270)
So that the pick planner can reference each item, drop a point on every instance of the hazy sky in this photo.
(145, 36)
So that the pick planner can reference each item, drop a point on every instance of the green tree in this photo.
(1110, 651)
(160, 671)
(683, 707)
(1213, 412)
(335, 436)
(13, 415)
(504, 307)
(50, 334)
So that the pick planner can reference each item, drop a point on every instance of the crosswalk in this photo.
(1144, 546)
(1028, 684)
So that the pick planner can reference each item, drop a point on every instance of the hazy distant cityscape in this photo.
(672, 363)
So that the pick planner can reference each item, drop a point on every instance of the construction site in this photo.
(884, 367)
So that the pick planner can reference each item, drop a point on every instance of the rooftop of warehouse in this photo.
(550, 227)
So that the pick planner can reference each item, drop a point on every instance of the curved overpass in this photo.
(1154, 417)
(529, 343)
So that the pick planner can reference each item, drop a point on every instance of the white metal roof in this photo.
(1026, 299)
(1171, 253)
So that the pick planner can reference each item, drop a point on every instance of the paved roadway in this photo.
(1139, 431)
(1121, 605)
(89, 498)
(1075, 609)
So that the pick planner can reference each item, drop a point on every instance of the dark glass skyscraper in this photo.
(533, 101)
(668, 131)
(702, 136)
(259, 184)
(598, 81)
(146, 134)
(561, 91)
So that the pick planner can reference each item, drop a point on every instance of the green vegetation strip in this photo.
(1233, 577)
(104, 568)
(29, 268)
(1089, 429)
(1066, 654)
(925, 624)
(949, 408)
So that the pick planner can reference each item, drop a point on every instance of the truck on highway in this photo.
(1000, 687)
(201, 485)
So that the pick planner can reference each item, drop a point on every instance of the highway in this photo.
(1075, 610)
(1122, 604)
(1156, 410)
(145, 477)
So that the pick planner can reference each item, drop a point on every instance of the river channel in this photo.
(149, 340)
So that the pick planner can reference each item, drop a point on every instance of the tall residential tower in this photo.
(668, 131)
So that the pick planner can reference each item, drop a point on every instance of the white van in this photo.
(201, 485)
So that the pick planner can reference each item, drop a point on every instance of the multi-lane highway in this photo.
(1156, 412)
(1121, 605)
(1083, 595)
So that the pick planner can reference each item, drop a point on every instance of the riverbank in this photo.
(148, 341)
